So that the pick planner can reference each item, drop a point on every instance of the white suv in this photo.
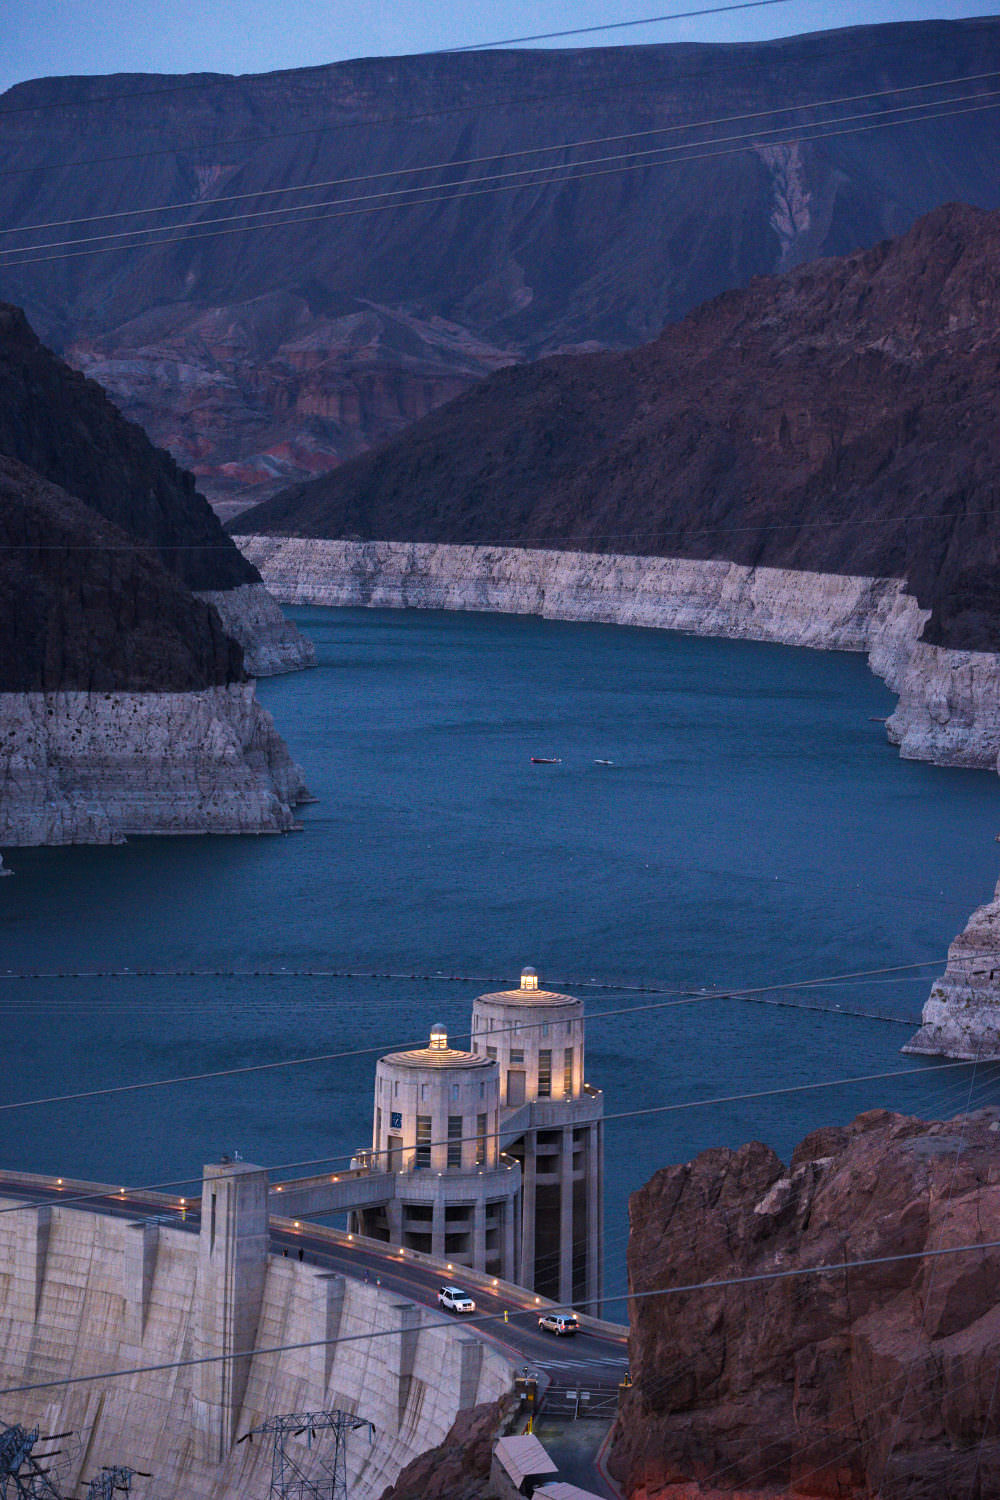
(563, 1325)
(455, 1300)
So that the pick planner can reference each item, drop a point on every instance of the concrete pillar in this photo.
(232, 1268)
(479, 1234)
(409, 1332)
(595, 1229)
(32, 1227)
(438, 1229)
(566, 1216)
(527, 1276)
(470, 1365)
(328, 1308)
(141, 1247)
(508, 1240)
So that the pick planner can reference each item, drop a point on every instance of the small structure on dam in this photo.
(494, 1158)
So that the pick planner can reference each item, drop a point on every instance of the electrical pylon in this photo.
(114, 1479)
(289, 1481)
(21, 1473)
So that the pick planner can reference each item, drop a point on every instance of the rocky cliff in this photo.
(261, 358)
(63, 427)
(124, 707)
(961, 1017)
(874, 1380)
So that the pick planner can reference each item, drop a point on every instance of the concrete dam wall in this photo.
(82, 1293)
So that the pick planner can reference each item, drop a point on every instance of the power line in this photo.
(686, 998)
(797, 1272)
(493, 177)
(548, 36)
(914, 1071)
(505, 187)
(451, 165)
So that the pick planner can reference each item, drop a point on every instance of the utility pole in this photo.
(289, 1480)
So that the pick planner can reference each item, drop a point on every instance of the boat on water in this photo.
(545, 760)
(603, 762)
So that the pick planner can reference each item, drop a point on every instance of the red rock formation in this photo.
(880, 1381)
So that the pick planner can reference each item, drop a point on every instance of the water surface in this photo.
(755, 828)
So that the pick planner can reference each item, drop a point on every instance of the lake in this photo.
(755, 829)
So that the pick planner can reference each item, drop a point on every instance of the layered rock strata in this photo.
(92, 768)
(878, 1379)
(124, 706)
(961, 1017)
(253, 617)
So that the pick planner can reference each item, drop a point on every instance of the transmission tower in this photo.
(113, 1480)
(21, 1474)
(289, 1480)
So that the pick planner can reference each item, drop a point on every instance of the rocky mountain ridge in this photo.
(124, 701)
(877, 1379)
(63, 427)
(262, 358)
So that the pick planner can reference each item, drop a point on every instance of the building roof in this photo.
(558, 1489)
(523, 1456)
(438, 1057)
(528, 998)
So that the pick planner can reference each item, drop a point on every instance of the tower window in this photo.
(491, 1053)
(454, 1140)
(480, 1140)
(423, 1152)
(568, 1071)
(517, 1055)
(545, 1074)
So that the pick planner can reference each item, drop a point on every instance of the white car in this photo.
(453, 1299)
(563, 1325)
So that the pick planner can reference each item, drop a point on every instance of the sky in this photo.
(48, 37)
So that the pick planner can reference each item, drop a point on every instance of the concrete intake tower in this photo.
(497, 1153)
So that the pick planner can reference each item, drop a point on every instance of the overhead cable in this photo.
(512, 1315)
(470, 191)
(757, 137)
(497, 156)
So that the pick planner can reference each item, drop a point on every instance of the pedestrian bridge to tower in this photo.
(490, 1158)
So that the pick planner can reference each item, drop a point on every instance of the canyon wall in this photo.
(82, 1293)
(94, 767)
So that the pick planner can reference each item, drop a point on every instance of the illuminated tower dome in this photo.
(436, 1128)
(551, 1121)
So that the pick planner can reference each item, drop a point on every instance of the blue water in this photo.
(756, 828)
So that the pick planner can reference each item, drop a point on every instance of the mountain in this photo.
(82, 608)
(840, 418)
(64, 428)
(261, 358)
(125, 706)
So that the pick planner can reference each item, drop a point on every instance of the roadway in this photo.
(589, 1359)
